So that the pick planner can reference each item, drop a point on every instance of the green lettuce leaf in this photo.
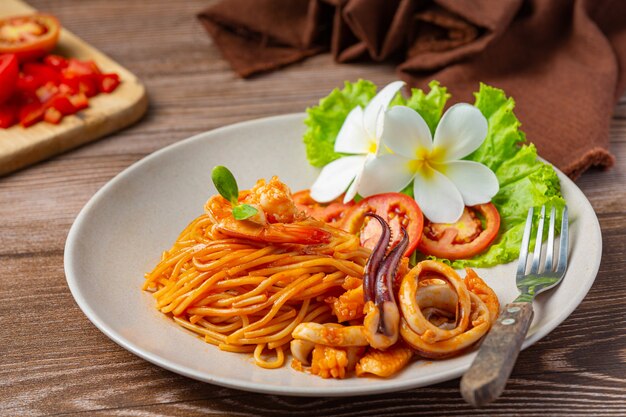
(524, 180)
(324, 120)
(429, 106)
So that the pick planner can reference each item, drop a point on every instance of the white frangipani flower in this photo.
(359, 136)
(443, 183)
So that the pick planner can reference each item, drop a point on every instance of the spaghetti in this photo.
(248, 296)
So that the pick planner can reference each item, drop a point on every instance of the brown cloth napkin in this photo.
(564, 61)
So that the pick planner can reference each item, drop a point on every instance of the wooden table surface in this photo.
(53, 361)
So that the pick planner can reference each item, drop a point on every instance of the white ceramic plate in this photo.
(120, 234)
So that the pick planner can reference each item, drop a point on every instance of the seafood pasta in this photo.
(281, 281)
(245, 285)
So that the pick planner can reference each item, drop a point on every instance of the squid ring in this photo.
(454, 345)
(413, 316)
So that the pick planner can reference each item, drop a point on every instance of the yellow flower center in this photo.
(372, 146)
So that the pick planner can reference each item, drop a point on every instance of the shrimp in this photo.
(277, 219)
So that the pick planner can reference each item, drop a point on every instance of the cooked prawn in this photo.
(277, 219)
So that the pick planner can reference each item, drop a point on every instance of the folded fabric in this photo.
(564, 61)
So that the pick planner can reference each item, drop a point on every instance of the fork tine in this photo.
(563, 244)
(550, 251)
(523, 255)
(534, 268)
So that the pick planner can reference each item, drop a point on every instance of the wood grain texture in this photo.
(20, 147)
(53, 361)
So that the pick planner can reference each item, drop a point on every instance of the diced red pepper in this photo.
(77, 68)
(31, 113)
(55, 61)
(52, 115)
(63, 104)
(53, 87)
(7, 116)
(46, 92)
(79, 101)
(27, 83)
(42, 74)
(109, 82)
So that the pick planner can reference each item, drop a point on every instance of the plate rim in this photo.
(389, 386)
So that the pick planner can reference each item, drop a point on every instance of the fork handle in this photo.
(486, 378)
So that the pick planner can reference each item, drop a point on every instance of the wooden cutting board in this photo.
(106, 113)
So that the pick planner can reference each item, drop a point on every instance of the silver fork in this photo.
(486, 378)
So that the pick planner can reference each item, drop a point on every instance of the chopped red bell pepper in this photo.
(52, 87)
(52, 115)
(109, 82)
(8, 115)
(31, 113)
(42, 74)
(55, 61)
(79, 101)
(63, 104)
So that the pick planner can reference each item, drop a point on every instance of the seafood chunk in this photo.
(384, 363)
(348, 306)
(330, 334)
(277, 219)
(382, 315)
(329, 362)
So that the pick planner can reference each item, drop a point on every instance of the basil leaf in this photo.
(226, 185)
(243, 211)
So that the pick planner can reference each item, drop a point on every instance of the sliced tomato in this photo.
(471, 235)
(332, 213)
(29, 36)
(9, 72)
(396, 208)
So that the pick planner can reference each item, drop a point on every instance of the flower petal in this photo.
(437, 196)
(380, 101)
(476, 183)
(352, 137)
(336, 177)
(405, 132)
(461, 131)
(385, 174)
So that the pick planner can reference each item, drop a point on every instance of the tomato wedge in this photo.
(397, 209)
(332, 213)
(29, 36)
(465, 238)
(9, 71)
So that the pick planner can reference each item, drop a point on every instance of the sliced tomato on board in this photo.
(332, 213)
(9, 72)
(29, 36)
(397, 209)
(471, 235)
